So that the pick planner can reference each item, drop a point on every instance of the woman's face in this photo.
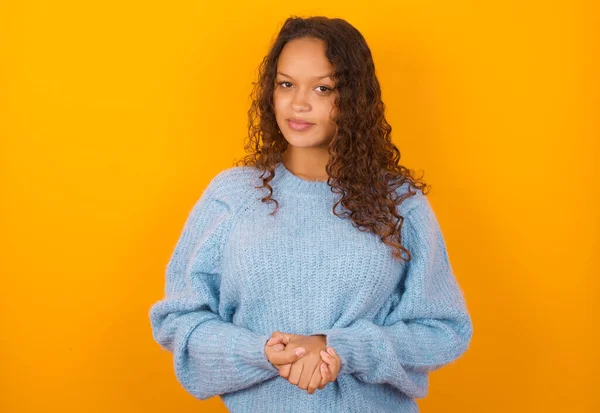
(304, 90)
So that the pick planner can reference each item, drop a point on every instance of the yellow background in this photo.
(115, 115)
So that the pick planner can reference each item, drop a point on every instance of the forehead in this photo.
(304, 58)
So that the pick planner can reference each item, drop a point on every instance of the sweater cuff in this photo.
(251, 349)
(352, 345)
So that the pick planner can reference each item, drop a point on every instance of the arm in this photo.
(211, 356)
(428, 327)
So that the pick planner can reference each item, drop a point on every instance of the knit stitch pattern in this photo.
(237, 274)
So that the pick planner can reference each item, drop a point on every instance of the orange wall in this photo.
(115, 115)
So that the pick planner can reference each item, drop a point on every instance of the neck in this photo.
(307, 163)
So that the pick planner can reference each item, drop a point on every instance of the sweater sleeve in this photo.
(427, 327)
(211, 356)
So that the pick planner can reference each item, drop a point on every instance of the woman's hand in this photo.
(306, 369)
(329, 371)
(279, 340)
(278, 354)
(311, 372)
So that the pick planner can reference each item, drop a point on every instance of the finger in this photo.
(270, 350)
(324, 376)
(284, 370)
(278, 347)
(274, 340)
(286, 338)
(332, 351)
(295, 373)
(287, 356)
(327, 358)
(278, 337)
(327, 364)
(307, 373)
(334, 371)
(315, 380)
(336, 362)
(323, 381)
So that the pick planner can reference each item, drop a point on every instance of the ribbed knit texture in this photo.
(237, 274)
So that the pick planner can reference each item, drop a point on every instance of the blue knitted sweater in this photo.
(237, 274)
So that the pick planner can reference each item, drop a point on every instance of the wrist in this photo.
(322, 337)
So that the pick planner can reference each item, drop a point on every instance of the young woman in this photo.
(342, 298)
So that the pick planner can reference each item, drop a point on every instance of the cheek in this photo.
(279, 102)
(276, 102)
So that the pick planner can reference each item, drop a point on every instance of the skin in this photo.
(301, 91)
(314, 368)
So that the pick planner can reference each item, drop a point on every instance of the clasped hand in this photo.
(303, 360)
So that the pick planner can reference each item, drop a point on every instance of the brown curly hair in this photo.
(361, 145)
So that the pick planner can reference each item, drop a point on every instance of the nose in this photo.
(301, 101)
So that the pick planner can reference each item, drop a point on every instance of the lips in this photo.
(299, 125)
(298, 120)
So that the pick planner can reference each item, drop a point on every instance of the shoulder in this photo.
(232, 186)
(235, 179)
(414, 201)
(421, 229)
(420, 220)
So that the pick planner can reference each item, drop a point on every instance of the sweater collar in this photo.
(287, 181)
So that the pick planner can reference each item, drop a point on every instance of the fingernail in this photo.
(324, 353)
(330, 350)
(300, 351)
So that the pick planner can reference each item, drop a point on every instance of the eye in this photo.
(327, 89)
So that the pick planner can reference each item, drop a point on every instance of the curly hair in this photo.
(363, 161)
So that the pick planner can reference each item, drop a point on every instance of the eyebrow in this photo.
(316, 77)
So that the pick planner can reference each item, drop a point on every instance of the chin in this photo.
(303, 142)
